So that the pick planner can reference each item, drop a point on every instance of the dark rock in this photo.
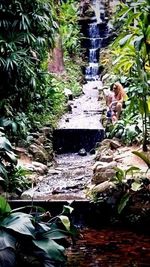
(92, 151)
(82, 152)
(47, 131)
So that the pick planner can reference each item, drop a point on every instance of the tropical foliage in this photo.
(131, 52)
(12, 177)
(127, 186)
(8, 159)
(27, 34)
(33, 239)
(69, 27)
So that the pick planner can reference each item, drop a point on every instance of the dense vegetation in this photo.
(30, 95)
(31, 237)
(28, 31)
(131, 65)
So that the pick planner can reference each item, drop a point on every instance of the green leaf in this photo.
(123, 202)
(148, 32)
(120, 174)
(65, 221)
(55, 234)
(131, 169)
(138, 42)
(44, 227)
(136, 186)
(20, 223)
(5, 144)
(148, 103)
(67, 210)
(54, 250)
(12, 157)
(125, 39)
(3, 171)
(141, 106)
(4, 206)
(7, 250)
(7, 240)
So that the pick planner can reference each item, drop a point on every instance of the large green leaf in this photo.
(4, 206)
(123, 202)
(65, 221)
(7, 240)
(7, 249)
(54, 250)
(43, 227)
(3, 171)
(20, 223)
(55, 234)
(7, 258)
(12, 157)
(67, 210)
(125, 39)
(5, 144)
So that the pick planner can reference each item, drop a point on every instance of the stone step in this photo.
(72, 140)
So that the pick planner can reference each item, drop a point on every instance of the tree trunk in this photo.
(56, 62)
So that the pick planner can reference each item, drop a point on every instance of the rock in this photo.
(29, 194)
(82, 152)
(103, 165)
(103, 187)
(42, 167)
(103, 172)
(54, 172)
(106, 158)
(47, 131)
(39, 153)
(41, 139)
(103, 152)
(114, 144)
(105, 143)
(35, 135)
(103, 176)
(68, 94)
(105, 77)
(69, 108)
(92, 151)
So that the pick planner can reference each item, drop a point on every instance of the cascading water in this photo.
(95, 31)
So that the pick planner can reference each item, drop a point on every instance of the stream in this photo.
(68, 180)
(110, 247)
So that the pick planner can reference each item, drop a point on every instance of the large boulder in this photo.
(39, 153)
(100, 188)
(103, 171)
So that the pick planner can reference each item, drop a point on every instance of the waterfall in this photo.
(96, 7)
(95, 30)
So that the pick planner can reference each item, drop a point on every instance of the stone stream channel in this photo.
(75, 139)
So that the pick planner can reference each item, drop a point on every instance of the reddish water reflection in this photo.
(110, 248)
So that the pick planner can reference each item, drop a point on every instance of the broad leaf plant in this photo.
(131, 51)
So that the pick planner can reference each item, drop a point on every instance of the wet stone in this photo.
(82, 152)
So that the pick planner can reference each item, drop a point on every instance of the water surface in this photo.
(110, 248)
